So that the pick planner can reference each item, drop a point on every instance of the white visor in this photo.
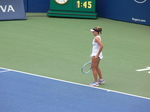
(91, 30)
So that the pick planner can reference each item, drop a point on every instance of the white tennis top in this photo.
(96, 48)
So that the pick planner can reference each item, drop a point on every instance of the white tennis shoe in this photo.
(94, 84)
(101, 81)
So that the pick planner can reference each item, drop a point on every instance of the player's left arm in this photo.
(100, 44)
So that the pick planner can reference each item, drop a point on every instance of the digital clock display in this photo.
(73, 8)
(85, 4)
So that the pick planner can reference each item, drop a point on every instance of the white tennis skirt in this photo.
(94, 54)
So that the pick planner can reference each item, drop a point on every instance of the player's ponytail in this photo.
(99, 29)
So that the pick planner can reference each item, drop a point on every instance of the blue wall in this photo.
(136, 11)
(36, 5)
(25, 5)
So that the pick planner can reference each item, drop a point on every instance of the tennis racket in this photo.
(86, 68)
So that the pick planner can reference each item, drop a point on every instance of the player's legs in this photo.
(99, 71)
(95, 62)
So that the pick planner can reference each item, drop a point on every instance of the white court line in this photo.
(145, 69)
(6, 70)
(76, 83)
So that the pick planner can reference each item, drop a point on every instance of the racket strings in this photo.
(86, 68)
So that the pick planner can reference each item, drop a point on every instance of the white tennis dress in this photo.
(96, 48)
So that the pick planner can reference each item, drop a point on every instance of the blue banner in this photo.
(12, 10)
(136, 11)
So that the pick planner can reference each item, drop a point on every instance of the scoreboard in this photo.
(72, 8)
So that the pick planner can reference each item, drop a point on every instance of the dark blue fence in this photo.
(37, 5)
(136, 11)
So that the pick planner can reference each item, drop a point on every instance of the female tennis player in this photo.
(96, 56)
